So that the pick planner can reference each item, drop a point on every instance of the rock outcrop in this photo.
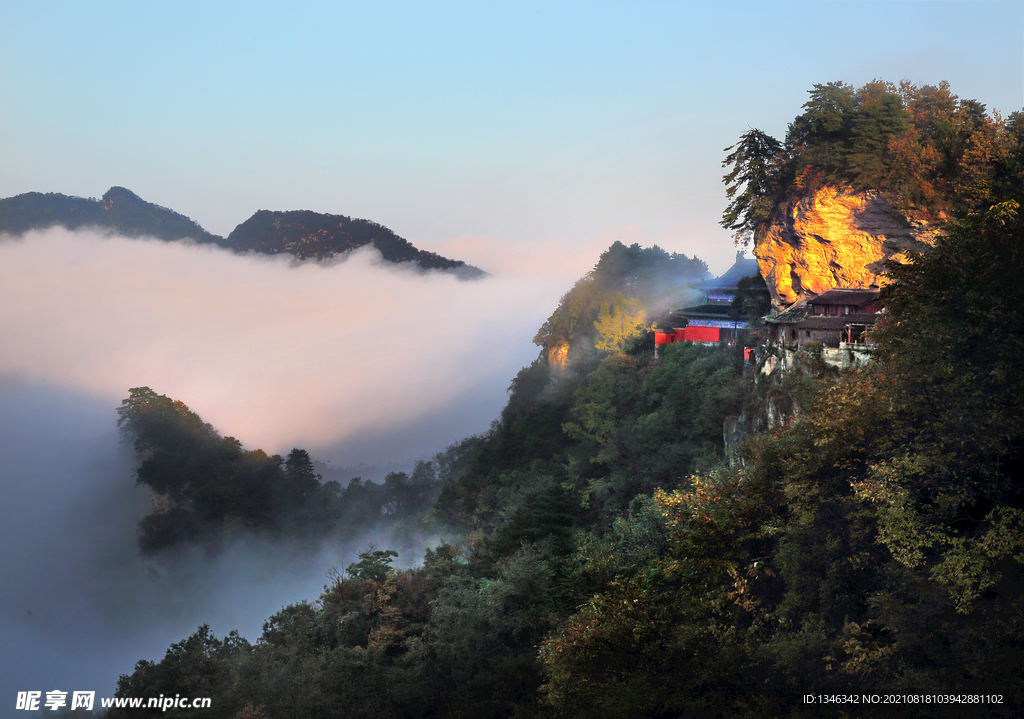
(834, 238)
(558, 355)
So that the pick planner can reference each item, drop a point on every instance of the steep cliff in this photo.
(833, 238)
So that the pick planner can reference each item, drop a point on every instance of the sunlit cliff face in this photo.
(558, 356)
(834, 238)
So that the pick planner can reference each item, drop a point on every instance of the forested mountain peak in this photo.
(303, 234)
(307, 234)
(611, 305)
(612, 561)
(926, 150)
(863, 177)
(119, 210)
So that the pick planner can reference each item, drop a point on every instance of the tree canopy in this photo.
(208, 488)
(624, 280)
(927, 150)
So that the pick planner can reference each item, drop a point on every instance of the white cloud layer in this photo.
(274, 353)
(356, 361)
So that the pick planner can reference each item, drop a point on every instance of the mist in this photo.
(79, 605)
(274, 353)
(356, 361)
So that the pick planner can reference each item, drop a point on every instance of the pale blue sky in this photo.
(522, 123)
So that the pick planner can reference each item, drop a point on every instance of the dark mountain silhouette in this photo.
(314, 235)
(120, 210)
(304, 234)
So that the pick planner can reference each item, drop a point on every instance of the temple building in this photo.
(834, 318)
(715, 319)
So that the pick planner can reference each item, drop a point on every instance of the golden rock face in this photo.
(834, 238)
(558, 356)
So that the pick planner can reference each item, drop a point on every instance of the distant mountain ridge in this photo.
(302, 233)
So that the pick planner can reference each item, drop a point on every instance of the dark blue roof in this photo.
(743, 267)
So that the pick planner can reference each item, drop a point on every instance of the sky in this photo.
(527, 123)
(523, 138)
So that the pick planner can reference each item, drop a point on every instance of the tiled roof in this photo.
(791, 315)
(799, 311)
(708, 309)
(741, 268)
(857, 298)
(837, 323)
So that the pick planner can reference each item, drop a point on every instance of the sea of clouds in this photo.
(356, 360)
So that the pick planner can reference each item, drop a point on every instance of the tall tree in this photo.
(619, 323)
(303, 480)
(752, 182)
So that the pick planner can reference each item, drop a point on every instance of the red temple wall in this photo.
(687, 334)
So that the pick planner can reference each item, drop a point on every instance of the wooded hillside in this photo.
(612, 562)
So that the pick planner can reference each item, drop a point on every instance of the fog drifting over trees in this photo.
(355, 361)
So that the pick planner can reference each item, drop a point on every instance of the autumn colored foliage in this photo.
(927, 150)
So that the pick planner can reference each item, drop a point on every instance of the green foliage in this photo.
(373, 564)
(752, 182)
(928, 151)
(303, 234)
(204, 479)
(632, 424)
(778, 580)
(614, 657)
(176, 449)
(954, 346)
(633, 541)
(608, 393)
(640, 423)
(876, 538)
(613, 565)
(880, 119)
(823, 122)
(751, 302)
(199, 666)
(208, 488)
(484, 634)
(544, 514)
(633, 278)
(317, 235)
(303, 480)
(120, 211)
